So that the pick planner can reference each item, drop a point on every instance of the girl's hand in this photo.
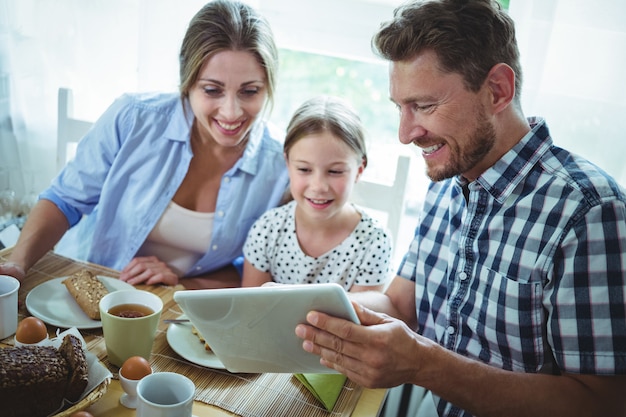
(148, 270)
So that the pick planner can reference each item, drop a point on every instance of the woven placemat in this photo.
(254, 395)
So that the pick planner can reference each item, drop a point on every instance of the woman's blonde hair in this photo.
(224, 25)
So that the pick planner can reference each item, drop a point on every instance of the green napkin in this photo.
(325, 387)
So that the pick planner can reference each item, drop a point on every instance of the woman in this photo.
(166, 186)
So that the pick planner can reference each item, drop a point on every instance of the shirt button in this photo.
(463, 276)
(214, 247)
(220, 213)
(227, 179)
(198, 268)
(450, 330)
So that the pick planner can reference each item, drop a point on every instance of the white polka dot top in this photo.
(363, 258)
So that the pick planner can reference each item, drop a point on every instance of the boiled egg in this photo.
(31, 330)
(135, 368)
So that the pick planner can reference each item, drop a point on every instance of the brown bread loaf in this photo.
(87, 290)
(72, 351)
(35, 379)
(32, 380)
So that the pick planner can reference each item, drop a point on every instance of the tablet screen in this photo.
(253, 329)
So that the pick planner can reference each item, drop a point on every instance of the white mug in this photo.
(8, 305)
(165, 394)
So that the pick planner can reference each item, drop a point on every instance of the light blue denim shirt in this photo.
(127, 169)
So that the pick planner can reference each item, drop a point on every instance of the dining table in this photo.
(219, 393)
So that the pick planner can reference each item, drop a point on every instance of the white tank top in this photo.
(180, 238)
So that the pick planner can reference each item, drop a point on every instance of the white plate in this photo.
(52, 303)
(188, 345)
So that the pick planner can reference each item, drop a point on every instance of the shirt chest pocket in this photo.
(503, 321)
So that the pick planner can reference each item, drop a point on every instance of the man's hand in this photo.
(381, 352)
(148, 270)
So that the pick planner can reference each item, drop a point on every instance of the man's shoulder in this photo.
(578, 173)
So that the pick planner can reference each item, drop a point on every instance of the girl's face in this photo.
(228, 96)
(323, 171)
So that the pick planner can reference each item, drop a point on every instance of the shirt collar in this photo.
(249, 162)
(502, 178)
(180, 122)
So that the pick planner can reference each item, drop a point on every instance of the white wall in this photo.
(574, 54)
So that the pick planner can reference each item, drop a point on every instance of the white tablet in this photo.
(252, 330)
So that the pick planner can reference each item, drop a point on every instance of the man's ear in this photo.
(501, 84)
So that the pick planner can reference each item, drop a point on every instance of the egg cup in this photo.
(44, 342)
(129, 398)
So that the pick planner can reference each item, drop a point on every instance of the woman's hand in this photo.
(148, 270)
(12, 269)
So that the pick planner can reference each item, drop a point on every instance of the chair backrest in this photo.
(385, 202)
(69, 130)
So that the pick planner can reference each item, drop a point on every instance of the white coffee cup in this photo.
(165, 394)
(8, 305)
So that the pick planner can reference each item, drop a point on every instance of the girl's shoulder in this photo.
(371, 226)
(277, 215)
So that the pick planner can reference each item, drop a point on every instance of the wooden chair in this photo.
(69, 129)
(385, 202)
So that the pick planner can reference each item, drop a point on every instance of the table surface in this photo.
(368, 403)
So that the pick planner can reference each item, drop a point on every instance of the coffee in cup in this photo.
(129, 322)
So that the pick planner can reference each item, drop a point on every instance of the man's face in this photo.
(442, 117)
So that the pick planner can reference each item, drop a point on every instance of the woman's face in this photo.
(228, 96)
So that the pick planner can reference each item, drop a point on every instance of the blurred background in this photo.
(573, 52)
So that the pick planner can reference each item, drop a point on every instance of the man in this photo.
(511, 297)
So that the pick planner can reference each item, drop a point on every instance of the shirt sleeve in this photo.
(254, 250)
(77, 188)
(585, 300)
(375, 268)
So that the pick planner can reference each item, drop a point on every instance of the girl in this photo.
(320, 237)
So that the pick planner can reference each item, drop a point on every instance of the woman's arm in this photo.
(45, 226)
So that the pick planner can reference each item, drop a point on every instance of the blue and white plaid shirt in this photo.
(528, 275)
